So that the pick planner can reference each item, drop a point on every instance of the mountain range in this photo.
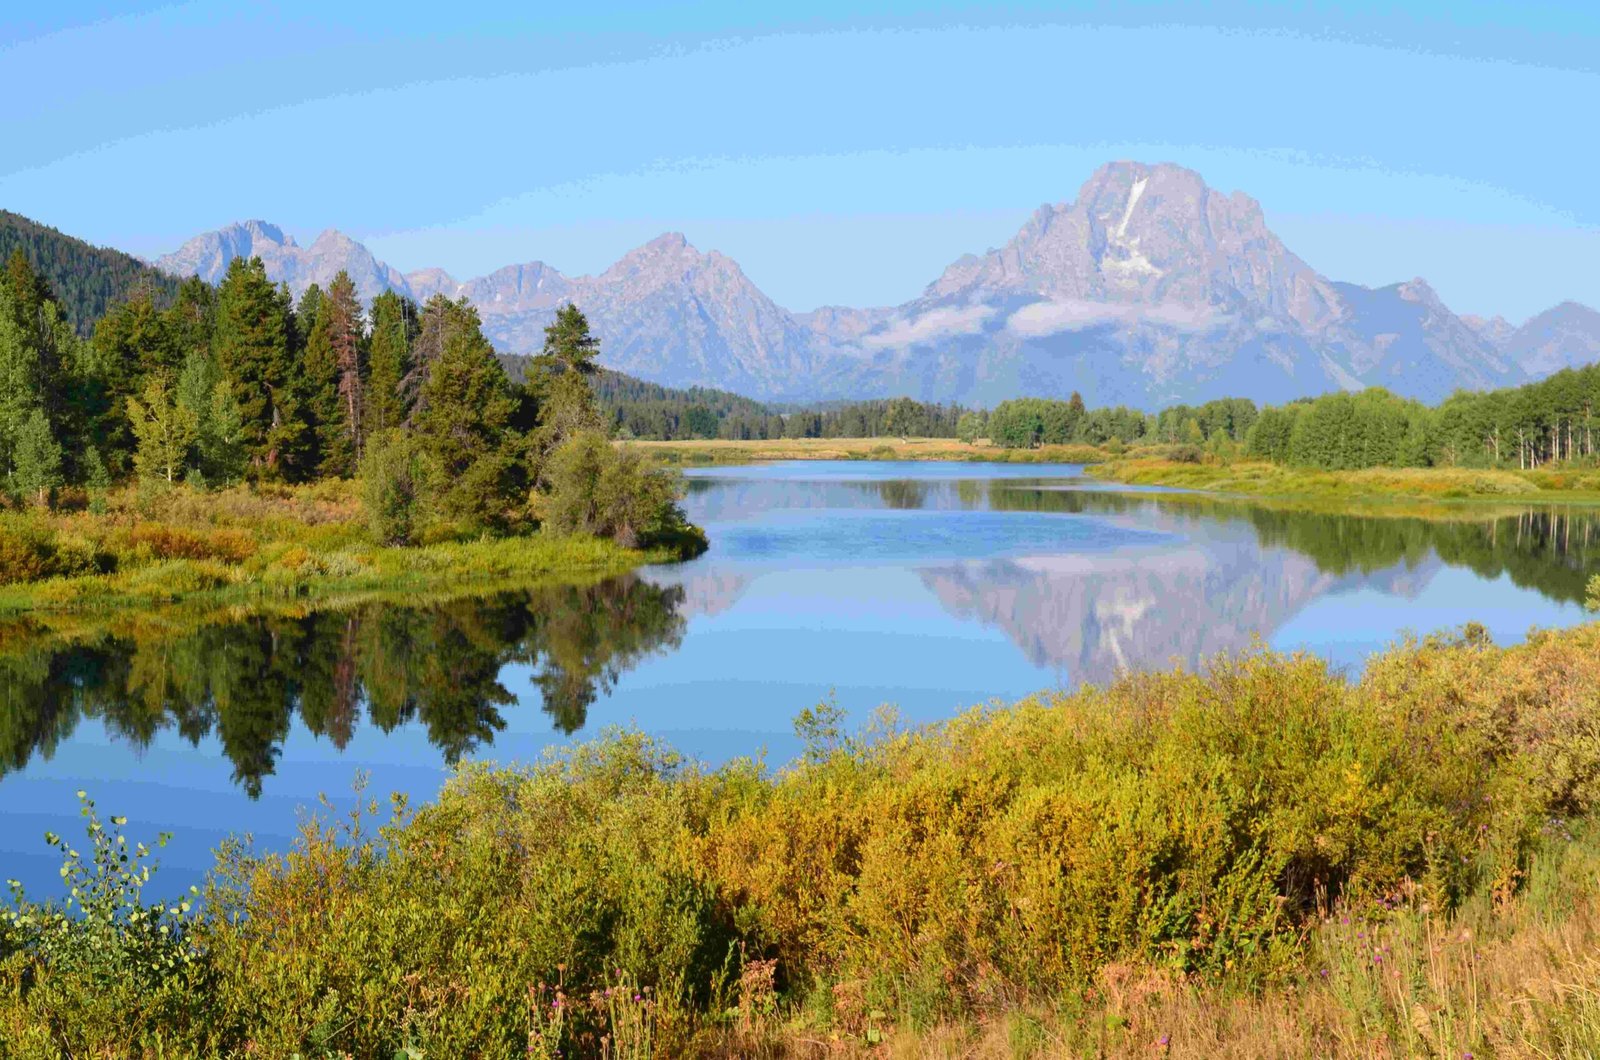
(1147, 289)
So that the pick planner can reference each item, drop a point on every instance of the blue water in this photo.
(929, 587)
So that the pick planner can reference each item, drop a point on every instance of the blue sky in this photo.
(841, 153)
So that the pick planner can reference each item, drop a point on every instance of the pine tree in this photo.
(253, 351)
(464, 425)
(441, 318)
(394, 330)
(36, 463)
(568, 345)
(165, 429)
(335, 368)
(567, 405)
(191, 322)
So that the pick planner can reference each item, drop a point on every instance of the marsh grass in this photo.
(1166, 866)
(156, 546)
(1577, 485)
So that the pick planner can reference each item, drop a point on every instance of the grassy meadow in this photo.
(1259, 859)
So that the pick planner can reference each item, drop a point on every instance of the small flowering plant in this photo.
(102, 932)
(614, 1022)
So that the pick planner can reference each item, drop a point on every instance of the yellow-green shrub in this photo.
(1189, 827)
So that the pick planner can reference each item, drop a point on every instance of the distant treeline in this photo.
(1524, 427)
(638, 409)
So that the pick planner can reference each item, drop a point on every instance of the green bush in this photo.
(391, 489)
(27, 554)
(101, 965)
(607, 491)
(32, 553)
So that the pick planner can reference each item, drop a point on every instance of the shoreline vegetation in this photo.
(1176, 466)
(1254, 478)
(246, 546)
(1260, 858)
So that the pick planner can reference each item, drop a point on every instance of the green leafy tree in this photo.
(165, 429)
(900, 418)
(37, 464)
(969, 428)
(209, 400)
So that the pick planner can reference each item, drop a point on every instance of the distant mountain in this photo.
(1152, 288)
(1567, 336)
(85, 278)
(1147, 289)
(208, 255)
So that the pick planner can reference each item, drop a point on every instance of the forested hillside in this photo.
(85, 280)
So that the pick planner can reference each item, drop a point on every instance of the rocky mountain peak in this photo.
(1149, 287)
(1151, 235)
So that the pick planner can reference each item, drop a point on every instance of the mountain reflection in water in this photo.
(931, 587)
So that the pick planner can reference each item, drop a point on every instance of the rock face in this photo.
(1152, 288)
(1149, 288)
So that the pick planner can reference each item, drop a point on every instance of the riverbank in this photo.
(244, 545)
(724, 451)
(1256, 479)
(1262, 859)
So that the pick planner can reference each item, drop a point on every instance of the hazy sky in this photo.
(843, 153)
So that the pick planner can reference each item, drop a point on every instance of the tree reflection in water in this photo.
(242, 680)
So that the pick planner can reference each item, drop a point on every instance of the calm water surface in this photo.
(927, 586)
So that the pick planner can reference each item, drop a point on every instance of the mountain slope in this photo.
(86, 279)
(1566, 336)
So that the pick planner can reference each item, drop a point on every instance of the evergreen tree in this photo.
(394, 330)
(334, 367)
(342, 434)
(191, 322)
(568, 345)
(441, 321)
(253, 351)
(36, 463)
(466, 409)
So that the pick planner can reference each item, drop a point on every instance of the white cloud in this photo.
(934, 324)
(1048, 318)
